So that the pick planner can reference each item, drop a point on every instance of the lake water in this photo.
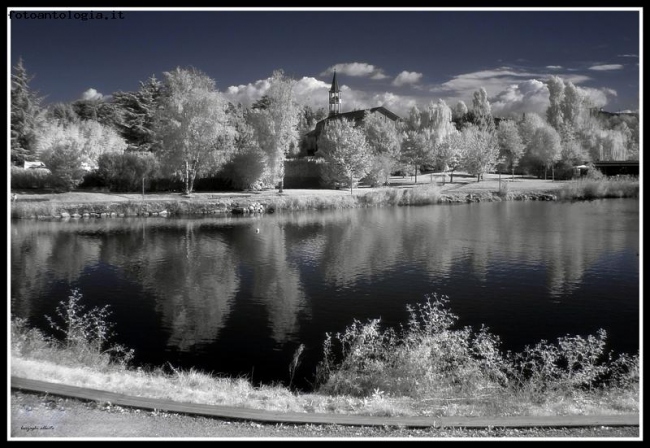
(238, 295)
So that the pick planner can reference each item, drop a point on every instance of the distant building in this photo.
(599, 112)
(618, 167)
(35, 165)
(357, 116)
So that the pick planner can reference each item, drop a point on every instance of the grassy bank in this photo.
(429, 368)
(92, 205)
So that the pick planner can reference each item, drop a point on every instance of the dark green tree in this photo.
(137, 111)
(104, 112)
(26, 115)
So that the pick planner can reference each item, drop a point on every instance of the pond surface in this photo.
(238, 295)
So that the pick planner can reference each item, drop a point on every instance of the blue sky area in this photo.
(396, 58)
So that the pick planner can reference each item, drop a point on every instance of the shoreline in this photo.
(88, 204)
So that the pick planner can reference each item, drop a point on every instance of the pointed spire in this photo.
(335, 84)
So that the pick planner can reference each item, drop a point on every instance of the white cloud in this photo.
(379, 75)
(628, 55)
(407, 78)
(356, 69)
(247, 94)
(511, 93)
(597, 97)
(554, 67)
(526, 96)
(610, 92)
(495, 82)
(307, 90)
(313, 92)
(605, 67)
(533, 96)
(91, 94)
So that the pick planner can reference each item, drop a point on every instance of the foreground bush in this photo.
(431, 359)
(85, 337)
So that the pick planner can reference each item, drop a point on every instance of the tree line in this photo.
(182, 128)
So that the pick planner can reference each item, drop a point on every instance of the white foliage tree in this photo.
(511, 147)
(192, 126)
(480, 151)
(440, 121)
(554, 113)
(460, 110)
(384, 142)
(90, 138)
(546, 147)
(346, 152)
(482, 110)
(276, 126)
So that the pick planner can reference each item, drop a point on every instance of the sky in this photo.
(391, 58)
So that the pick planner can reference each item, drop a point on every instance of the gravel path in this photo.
(38, 415)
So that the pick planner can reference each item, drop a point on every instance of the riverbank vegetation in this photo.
(427, 367)
(600, 188)
(89, 205)
(140, 140)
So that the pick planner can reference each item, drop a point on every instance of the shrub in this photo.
(379, 171)
(27, 341)
(64, 161)
(433, 359)
(303, 173)
(245, 169)
(427, 358)
(23, 179)
(86, 334)
(124, 172)
(593, 173)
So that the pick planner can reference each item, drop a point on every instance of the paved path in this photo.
(229, 412)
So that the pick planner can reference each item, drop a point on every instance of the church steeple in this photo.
(335, 97)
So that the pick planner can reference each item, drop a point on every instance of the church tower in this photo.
(335, 97)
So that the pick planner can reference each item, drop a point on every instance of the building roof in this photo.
(357, 116)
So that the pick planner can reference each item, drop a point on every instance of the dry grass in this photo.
(33, 356)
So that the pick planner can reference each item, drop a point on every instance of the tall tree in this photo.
(546, 147)
(482, 111)
(440, 121)
(191, 123)
(460, 110)
(511, 147)
(98, 109)
(572, 106)
(26, 115)
(527, 127)
(418, 149)
(346, 152)
(480, 150)
(449, 154)
(554, 113)
(384, 142)
(418, 143)
(138, 112)
(276, 124)
(61, 112)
